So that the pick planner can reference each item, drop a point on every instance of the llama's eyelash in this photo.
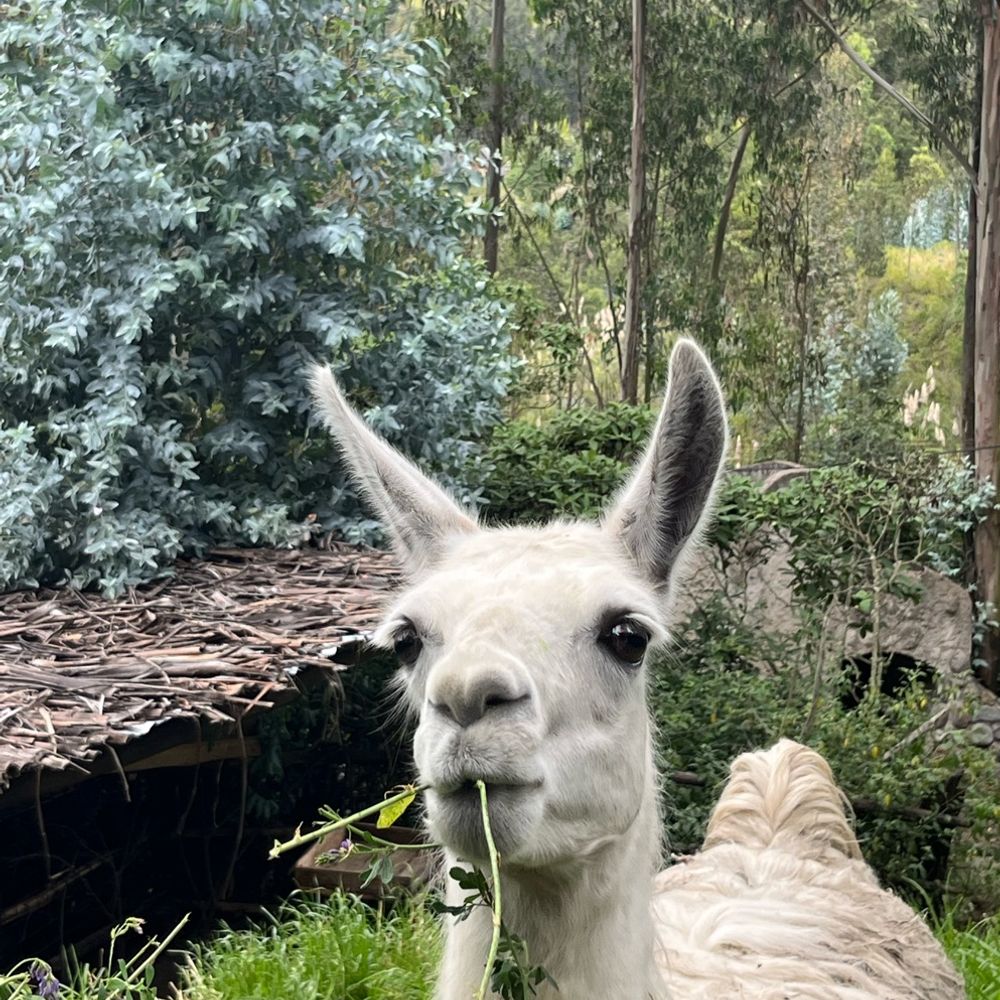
(612, 615)
(388, 633)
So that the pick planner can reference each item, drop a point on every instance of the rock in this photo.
(936, 629)
(988, 713)
(980, 734)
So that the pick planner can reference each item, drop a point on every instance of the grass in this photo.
(339, 950)
(335, 951)
(976, 954)
(330, 950)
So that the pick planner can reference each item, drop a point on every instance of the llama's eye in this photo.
(626, 640)
(406, 645)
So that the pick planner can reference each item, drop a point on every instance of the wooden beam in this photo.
(193, 754)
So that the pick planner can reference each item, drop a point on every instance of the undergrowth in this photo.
(334, 949)
(339, 949)
(976, 954)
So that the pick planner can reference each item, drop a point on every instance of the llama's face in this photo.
(523, 656)
(522, 649)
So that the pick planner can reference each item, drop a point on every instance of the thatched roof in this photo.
(80, 673)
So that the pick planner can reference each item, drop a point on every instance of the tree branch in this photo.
(727, 204)
(570, 315)
(911, 109)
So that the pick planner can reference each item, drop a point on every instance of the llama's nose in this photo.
(466, 700)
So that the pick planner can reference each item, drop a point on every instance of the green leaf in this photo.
(389, 814)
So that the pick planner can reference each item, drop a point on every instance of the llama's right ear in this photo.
(417, 513)
(660, 511)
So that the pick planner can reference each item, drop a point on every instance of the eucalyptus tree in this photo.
(198, 199)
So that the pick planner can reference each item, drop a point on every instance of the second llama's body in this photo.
(523, 655)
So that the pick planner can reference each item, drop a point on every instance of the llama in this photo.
(522, 656)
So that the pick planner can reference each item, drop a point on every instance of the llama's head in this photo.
(522, 649)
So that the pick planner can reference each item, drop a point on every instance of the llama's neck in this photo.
(587, 923)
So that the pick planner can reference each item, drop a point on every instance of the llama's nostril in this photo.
(485, 696)
(502, 698)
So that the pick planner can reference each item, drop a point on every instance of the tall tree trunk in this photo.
(987, 415)
(727, 206)
(636, 193)
(492, 238)
(969, 322)
(969, 337)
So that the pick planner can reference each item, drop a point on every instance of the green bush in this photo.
(855, 536)
(707, 712)
(568, 466)
(201, 197)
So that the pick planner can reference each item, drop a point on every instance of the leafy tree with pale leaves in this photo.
(198, 199)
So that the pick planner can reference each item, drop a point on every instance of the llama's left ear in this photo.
(669, 495)
(417, 514)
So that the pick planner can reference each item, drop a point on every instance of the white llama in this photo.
(522, 655)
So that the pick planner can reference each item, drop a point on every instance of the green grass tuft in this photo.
(976, 954)
(334, 949)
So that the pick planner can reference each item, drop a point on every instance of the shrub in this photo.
(568, 466)
(855, 536)
(202, 197)
(709, 711)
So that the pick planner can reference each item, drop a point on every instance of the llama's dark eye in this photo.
(626, 640)
(406, 645)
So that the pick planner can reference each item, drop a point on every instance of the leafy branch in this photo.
(385, 808)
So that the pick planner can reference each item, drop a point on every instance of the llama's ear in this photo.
(669, 495)
(417, 513)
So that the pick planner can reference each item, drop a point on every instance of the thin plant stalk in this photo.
(495, 872)
(158, 951)
(321, 831)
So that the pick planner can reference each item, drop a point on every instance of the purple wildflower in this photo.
(346, 846)
(46, 984)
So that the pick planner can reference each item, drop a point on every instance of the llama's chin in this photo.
(456, 820)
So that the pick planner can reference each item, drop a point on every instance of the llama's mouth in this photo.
(469, 788)
(456, 816)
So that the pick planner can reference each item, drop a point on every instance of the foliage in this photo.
(859, 416)
(976, 953)
(319, 950)
(568, 466)
(858, 532)
(929, 283)
(855, 535)
(201, 198)
(116, 978)
(711, 703)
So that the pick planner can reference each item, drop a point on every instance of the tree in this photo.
(495, 168)
(981, 372)
(636, 205)
(987, 328)
(201, 198)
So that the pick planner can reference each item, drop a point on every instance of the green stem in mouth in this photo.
(495, 872)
